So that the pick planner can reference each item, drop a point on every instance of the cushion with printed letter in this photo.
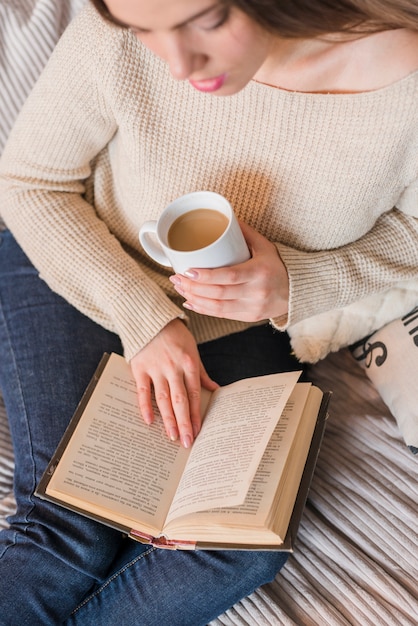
(390, 359)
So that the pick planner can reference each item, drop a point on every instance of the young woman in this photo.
(304, 115)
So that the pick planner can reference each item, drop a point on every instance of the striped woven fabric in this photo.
(7, 502)
(29, 30)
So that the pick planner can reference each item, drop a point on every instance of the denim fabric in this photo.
(59, 567)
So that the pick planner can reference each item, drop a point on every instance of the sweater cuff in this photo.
(313, 284)
(140, 315)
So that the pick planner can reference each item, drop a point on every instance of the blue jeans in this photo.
(59, 567)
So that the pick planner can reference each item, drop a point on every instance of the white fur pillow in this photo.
(313, 338)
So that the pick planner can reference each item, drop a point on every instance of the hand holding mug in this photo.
(252, 291)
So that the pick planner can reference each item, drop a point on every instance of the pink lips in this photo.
(210, 84)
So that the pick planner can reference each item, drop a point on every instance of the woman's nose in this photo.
(182, 60)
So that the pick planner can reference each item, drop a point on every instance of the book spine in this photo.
(161, 542)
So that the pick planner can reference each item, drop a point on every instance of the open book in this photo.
(242, 485)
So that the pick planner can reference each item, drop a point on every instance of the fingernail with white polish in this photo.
(186, 441)
(173, 434)
(191, 274)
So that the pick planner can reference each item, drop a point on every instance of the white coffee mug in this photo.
(229, 248)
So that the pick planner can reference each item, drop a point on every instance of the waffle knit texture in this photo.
(107, 139)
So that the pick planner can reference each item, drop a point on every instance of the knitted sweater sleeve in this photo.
(61, 131)
(385, 257)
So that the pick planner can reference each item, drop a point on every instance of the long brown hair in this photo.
(312, 18)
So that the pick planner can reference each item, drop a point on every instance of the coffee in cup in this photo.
(196, 230)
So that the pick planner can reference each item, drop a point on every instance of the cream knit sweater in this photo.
(108, 138)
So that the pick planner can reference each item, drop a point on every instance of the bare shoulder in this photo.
(380, 59)
(396, 55)
(342, 63)
(377, 60)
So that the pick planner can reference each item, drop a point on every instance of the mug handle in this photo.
(150, 245)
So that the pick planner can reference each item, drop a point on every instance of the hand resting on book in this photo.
(170, 366)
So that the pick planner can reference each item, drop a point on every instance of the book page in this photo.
(261, 493)
(116, 461)
(271, 471)
(237, 428)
